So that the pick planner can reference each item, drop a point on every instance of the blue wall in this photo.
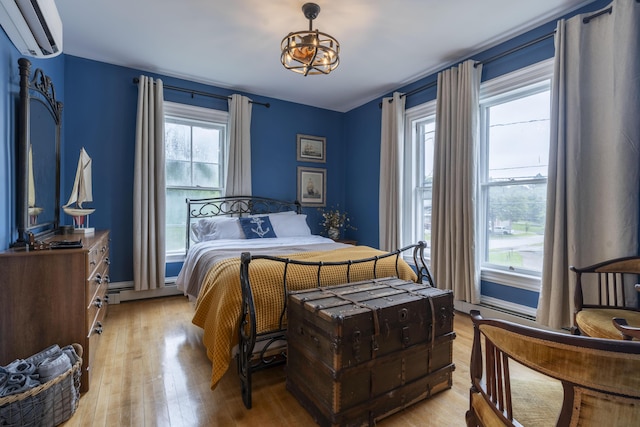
(99, 114)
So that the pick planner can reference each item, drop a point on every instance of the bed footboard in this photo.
(261, 350)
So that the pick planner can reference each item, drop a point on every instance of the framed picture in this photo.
(312, 186)
(311, 148)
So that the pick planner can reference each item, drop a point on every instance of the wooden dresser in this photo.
(54, 296)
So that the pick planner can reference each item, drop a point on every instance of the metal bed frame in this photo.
(270, 350)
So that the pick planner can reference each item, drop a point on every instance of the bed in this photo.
(240, 284)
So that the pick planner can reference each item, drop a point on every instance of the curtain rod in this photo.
(197, 92)
(411, 92)
(491, 59)
(515, 49)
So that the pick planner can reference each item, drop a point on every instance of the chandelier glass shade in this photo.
(312, 51)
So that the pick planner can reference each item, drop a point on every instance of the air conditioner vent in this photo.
(34, 26)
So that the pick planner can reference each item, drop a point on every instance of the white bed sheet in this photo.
(202, 256)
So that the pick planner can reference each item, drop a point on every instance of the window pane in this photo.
(206, 144)
(205, 175)
(427, 130)
(516, 226)
(178, 173)
(176, 215)
(428, 138)
(177, 141)
(519, 138)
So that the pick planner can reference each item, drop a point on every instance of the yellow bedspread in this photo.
(219, 303)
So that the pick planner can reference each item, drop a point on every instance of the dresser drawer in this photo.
(97, 283)
(97, 303)
(94, 337)
(98, 254)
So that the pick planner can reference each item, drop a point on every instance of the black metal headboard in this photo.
(235, 206)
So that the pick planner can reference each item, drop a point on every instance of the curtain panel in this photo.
(391, 148)
(453, 230)
(149, 188)
(594, 161)
(239, 154)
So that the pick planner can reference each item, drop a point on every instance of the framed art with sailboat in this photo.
(81, 192)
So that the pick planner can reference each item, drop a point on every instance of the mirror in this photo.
(38, 155)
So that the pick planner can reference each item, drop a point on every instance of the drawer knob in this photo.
(106, 299)
(98, 279)
(98, 328)
(106, 279)
(107, 261)
(92, 262)
(98, 302)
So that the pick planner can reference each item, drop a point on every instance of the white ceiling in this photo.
(235, 44)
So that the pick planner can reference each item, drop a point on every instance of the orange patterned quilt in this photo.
(218, 305)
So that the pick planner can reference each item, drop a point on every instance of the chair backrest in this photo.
(600, 378)
(605, 284)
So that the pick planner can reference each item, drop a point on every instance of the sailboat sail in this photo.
(82, 188)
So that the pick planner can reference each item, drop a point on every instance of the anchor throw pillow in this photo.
(257, 227)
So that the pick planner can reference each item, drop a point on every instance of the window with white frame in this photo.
(195, 145)
(420, 125)
(514, 150)
(513, 163)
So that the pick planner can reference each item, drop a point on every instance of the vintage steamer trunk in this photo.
(362, 351)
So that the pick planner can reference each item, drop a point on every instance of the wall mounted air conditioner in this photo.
(34, 26)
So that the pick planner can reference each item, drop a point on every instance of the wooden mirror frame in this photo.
(39, 88)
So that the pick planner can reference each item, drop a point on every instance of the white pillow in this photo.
(228, 229)
(216, 228)
(290, 225)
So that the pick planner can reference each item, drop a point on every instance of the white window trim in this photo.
(526, 76)
(194, 112)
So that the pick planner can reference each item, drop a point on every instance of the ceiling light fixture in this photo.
(310, 52)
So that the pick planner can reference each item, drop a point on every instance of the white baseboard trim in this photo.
(123, 291)
(488, 311)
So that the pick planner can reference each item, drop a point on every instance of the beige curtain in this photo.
(149, 188)
(391, 143)
(239, 158)
(594, 165)
(453, 231)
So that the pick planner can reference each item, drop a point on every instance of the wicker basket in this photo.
(49, 404)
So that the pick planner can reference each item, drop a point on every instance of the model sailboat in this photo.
(34, 210)
(81, 193)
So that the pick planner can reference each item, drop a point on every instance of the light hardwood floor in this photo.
(152, 370)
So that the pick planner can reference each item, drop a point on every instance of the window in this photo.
(513, 163)
(420, 129)
(514, 121)
(195, 144)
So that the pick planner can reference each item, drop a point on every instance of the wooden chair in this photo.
(628, 332)
(600, 297)
(599, 376)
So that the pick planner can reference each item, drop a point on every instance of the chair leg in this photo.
(470, 418)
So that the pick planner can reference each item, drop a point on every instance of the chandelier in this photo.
(310, 52)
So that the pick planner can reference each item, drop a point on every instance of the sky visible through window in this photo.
(519, 138)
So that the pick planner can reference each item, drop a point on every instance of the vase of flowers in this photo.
(334, 222)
